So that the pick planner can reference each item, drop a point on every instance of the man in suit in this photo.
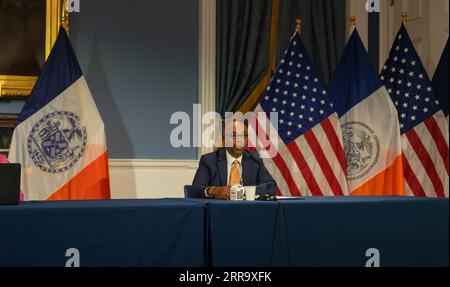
(220, 170)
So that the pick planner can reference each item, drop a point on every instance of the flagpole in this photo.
(352, 20)
(298, 25)
(65, 17)
(404, 17)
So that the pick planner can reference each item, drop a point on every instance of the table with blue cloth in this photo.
(337, 231)
(309, 231)
(161, 233)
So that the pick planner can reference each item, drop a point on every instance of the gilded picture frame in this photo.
(19, 87)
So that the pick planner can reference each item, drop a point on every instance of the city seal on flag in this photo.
(57, 142)
(362, 149)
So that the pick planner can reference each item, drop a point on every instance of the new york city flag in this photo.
(60, 139)
(369, 125)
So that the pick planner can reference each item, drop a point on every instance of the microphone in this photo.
(259, 161)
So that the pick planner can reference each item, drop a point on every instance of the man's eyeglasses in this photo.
(238, 136)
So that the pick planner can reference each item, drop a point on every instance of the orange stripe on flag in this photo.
(90, 183)
(388, 182)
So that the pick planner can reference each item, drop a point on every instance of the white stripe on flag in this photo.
(334, 119)
(408, 191)
(293, 169)
(336, 168)
(431, 148)
(311, 163)
(417, 168)
(430, 145)
(314, 166)
(274, 171)
(442, 122)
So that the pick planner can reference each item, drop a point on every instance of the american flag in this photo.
(422, 122)
(310, 158)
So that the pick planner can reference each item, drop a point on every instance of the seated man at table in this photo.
(220, 170)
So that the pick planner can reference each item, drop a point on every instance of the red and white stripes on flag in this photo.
(311, 165)
(425, 152)
(305, 155)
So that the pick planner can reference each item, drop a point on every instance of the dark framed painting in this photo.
(28, 30)
(7, 126)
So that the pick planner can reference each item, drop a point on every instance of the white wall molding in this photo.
(135, 178)
(207, 68)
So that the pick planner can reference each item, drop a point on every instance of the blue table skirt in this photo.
(196, 232)
(406, 231)
(328, 232)
(106, 233)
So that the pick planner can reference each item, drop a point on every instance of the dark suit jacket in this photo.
(212, 171)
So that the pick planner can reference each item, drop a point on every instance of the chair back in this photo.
(188, 191)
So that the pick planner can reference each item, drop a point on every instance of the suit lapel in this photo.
(222, 166)
(247, 169)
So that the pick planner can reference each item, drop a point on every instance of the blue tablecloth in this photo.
(329, 232)
(106, 233)
(202, 232)
(242, 233)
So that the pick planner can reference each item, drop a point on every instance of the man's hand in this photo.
(220, 192)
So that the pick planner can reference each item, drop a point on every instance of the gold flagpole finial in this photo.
(298, 25)
(404, 17)
(65, 16)
(352, 20)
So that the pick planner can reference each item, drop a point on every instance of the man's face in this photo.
(236, 138)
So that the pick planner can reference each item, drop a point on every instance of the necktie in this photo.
(235, 177)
